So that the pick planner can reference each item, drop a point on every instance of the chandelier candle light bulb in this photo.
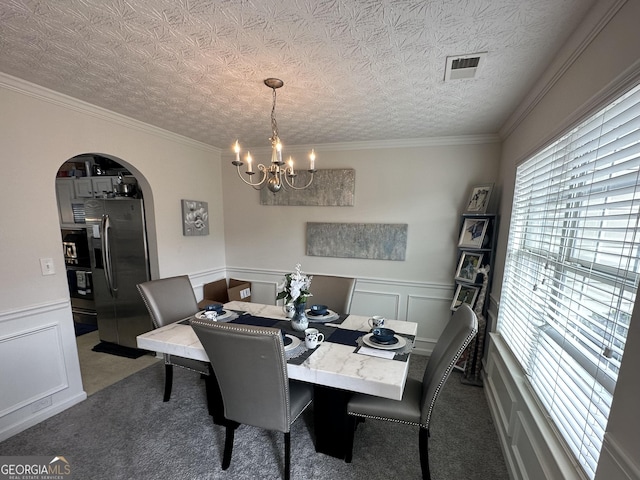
(274, 177)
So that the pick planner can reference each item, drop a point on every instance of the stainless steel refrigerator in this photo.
(119, 261)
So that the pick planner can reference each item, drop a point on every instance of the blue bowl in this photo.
(214, 307)
(286, 340)
(319, 309)
(382, 334)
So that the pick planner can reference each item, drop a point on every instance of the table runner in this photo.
(351, 338)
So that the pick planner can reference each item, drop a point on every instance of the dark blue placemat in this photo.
(345, 337)
(255, 321)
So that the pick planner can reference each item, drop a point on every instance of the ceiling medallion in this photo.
(277, 175)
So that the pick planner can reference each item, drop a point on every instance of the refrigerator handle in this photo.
(106, 255)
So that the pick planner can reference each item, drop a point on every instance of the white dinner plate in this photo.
(369, 343)
(201, 315)
(295, 341)
(330, 316)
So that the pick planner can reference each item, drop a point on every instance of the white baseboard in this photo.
(34, 419)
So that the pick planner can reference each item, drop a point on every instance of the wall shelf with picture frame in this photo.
(476, 248)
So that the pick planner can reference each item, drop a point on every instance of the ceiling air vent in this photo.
(464, 66)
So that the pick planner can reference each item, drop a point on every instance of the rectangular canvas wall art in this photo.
(195, 218)
(375, 241)
(330, 188)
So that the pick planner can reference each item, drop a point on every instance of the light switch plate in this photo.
(46, 264)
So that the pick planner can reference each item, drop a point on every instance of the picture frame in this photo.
(473, 232)
(464, 294)
(479, 198)
(468, 266)
(195, 218)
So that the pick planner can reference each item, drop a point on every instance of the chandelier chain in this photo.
(274, 123)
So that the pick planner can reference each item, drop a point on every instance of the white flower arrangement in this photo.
(295, 288)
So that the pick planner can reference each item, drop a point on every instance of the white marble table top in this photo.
(332, 365)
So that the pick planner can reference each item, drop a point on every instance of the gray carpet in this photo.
(126, 432)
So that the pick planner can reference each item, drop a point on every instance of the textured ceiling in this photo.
(354, 70)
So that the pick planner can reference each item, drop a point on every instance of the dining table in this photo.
(346, 361)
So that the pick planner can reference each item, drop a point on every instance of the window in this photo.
(572, 271)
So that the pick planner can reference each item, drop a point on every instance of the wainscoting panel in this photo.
(39, 368)
(531, 448)
(505, 399)
(617, 463)
(432, 312)
(525, 452)
(375, 303)
(41, 372)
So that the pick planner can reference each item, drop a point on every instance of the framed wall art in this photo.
(464, 294)
(195, 218)
(473, 232)
(331, 187)
(468, 266)
(479, 198)
(374, 241)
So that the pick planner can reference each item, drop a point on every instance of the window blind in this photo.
(572, 271)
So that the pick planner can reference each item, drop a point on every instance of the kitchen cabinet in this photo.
(102, 185)
(65, 193)
(83, 187)
(90, 187)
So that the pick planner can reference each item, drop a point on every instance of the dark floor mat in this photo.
(119, 350)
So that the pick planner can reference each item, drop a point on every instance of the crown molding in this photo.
(595, 21)
(413, 142)
(382, 144)
(61, 100)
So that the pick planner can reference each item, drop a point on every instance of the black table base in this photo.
(330, 420)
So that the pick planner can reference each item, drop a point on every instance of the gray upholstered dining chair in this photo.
(334, 292)
(249, 363)
(170, 300)
(419, 397)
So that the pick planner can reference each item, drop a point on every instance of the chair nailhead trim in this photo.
(462, 348)
(394, 420)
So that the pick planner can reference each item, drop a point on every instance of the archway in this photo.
(88, 186)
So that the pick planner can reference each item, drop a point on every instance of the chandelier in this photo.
(277, 175)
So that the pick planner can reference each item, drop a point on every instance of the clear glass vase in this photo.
(299, 321)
